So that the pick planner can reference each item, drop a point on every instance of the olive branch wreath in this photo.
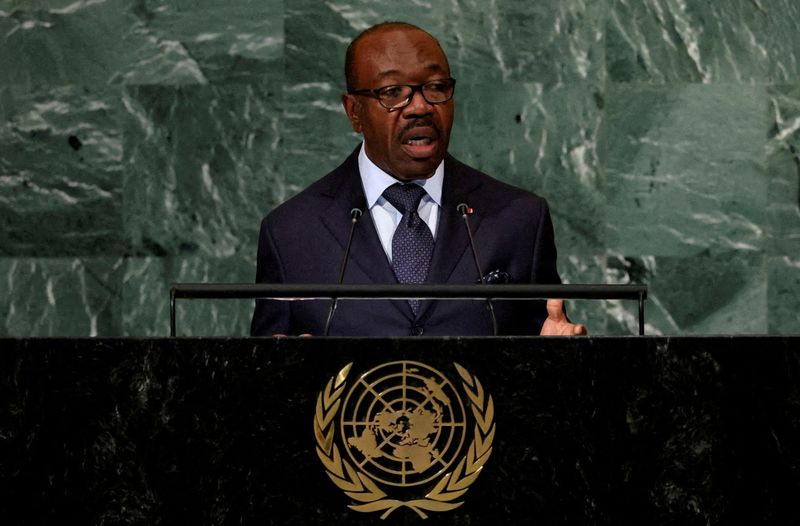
(361, 488)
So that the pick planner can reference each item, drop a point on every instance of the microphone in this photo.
(355, 214)
(465, 210)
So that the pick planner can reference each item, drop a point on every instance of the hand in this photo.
(557, 323)
(281, 335)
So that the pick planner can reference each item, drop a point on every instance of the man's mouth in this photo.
(420, 141)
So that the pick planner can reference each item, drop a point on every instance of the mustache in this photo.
(418, 123)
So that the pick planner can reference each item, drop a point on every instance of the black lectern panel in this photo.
(537, 431)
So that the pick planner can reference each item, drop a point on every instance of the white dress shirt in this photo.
(385, 216)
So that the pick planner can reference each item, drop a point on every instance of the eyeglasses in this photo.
(399, 95)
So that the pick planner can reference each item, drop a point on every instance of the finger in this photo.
(579, 330)
(279, 335)
(305, 335)
(555, 310)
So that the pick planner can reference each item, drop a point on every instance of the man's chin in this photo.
(410, 173)
(418, 168)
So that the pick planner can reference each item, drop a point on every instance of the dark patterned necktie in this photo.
(412, 243)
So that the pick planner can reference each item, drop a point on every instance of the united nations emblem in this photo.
(402, 426)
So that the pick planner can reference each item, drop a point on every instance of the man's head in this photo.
(407, 142)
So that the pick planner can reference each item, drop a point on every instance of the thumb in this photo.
(555, 310)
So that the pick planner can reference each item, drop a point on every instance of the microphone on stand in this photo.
(465, 210)
(355, 214)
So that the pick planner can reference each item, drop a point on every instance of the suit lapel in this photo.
(452, 242)
(451, 235)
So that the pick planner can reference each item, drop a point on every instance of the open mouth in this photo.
(420, 142)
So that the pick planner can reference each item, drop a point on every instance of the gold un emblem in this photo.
(402, 426)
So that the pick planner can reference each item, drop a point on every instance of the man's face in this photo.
(410, 142)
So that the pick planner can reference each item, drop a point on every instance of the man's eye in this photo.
(391, 92)
(436, 86)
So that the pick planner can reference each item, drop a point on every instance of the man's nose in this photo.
(418, 105)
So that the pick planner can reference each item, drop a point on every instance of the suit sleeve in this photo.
(270, 316)
(544, 252)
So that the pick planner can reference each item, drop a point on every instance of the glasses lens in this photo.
(393, 96)
(438, 91)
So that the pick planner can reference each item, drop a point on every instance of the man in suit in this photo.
(400, 98)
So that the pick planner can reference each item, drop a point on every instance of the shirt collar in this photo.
(375, 180)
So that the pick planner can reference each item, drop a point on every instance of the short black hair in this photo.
(350, 55)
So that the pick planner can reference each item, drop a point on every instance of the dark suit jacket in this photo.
(303, 241)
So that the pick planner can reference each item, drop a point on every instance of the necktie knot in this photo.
(404, 197)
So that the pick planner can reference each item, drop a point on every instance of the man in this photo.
(400, 98)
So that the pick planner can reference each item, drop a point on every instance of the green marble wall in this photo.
(143, 140)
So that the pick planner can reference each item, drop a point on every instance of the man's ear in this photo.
(352, 108)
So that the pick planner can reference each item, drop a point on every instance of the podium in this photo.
(634, 430)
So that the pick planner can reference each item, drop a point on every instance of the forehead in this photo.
(400, 54)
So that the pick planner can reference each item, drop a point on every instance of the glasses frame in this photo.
(375, 93)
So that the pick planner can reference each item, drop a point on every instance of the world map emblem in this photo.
(395, 436)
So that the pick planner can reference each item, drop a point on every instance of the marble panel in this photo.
(202, 41)
(201, 167)
(60, 172)
(783, 294)
(686, 169)
(544, 140)
(724, 293)
(59, 42)
(315, 135)
(506, 40)
(666, 41)
(653, 171)
(60, 296)
(783, 165)
(317, 35)
(552, 42)
(145, 289)
(65, 42)
(623, 317)
(784, 210)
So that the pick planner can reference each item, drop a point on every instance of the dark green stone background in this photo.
(142, 142)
